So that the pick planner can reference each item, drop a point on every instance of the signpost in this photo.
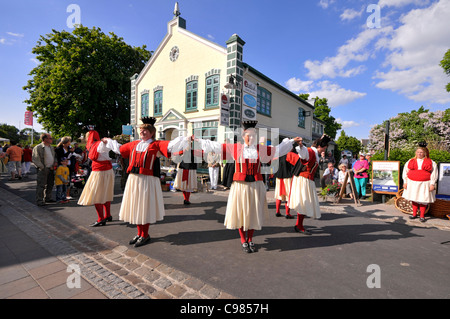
(224, 110)
(249, 100)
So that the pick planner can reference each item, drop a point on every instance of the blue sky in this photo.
(370, 69)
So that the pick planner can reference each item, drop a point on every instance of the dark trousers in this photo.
(44, 185)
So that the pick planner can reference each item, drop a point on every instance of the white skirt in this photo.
(246, 205)
(303, 197)
(99, 188)
(142, 201)
(190, 184)
(419, 192)
(287, 188)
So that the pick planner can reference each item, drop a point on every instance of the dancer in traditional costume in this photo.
(303, 196)
(186, 179)
(247, 202)
(283, 185)
(142, 202)
(419, 181)
(99, 188)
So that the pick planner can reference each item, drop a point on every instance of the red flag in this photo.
(28, 118)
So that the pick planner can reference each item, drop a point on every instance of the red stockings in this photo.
(421, 207)
(246, 235)
(99, 210)
(143, 230)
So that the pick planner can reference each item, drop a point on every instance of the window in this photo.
(301, 117)
(144, 105)
(191, 95)
(264, 104)
(212, 90)
(206, 130)
(157, 102)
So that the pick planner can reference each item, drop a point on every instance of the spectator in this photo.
(330, 158)
(323, 164)
(213, 167)
(61, 181)
(15, 153)
(64, 150)
(330, 176)
(341, 178)
(3, 160)
(344, 160)
(354, 159)
(360, 169)
(45, 160)
(27, 154)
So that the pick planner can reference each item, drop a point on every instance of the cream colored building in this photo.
(182, 83)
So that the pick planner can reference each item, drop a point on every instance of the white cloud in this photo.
(2, 41)
(350, 14)
(297, 85)
(17, 35)
(415, 50)
(335, 94)
(326, 3)
(347, 124)
(355, 49)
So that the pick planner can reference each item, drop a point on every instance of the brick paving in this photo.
(40, 253)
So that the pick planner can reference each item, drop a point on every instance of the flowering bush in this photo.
(331, 190)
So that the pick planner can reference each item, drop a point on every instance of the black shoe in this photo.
(246, 248)
(304, 232)
(412, 217)
(134, 240)
(50, 201)
(289, 217)
(252, 247)
(98, 223)
(278, 215)
(186, 202)
(422, 220)
(142, 241)
(40, 204)
(108, 219)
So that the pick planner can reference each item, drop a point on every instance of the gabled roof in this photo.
(181, 23)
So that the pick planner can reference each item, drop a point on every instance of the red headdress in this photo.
(93, 137)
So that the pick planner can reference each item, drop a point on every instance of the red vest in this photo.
(311, 164)
(98, 165)
(423, 174)
(145, 160)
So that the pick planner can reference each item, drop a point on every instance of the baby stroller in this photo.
(78, 181)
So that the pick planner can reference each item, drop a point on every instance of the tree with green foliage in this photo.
(350, 143)
(322, 112)
(83, 78)
(445, 64)
(10, 132)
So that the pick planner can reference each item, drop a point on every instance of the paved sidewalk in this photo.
(41, 255)
(41, 251)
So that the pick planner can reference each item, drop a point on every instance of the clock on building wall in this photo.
(174, 53)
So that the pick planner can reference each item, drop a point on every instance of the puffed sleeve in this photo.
(434, 174)
(110, 145)
(405, 172)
